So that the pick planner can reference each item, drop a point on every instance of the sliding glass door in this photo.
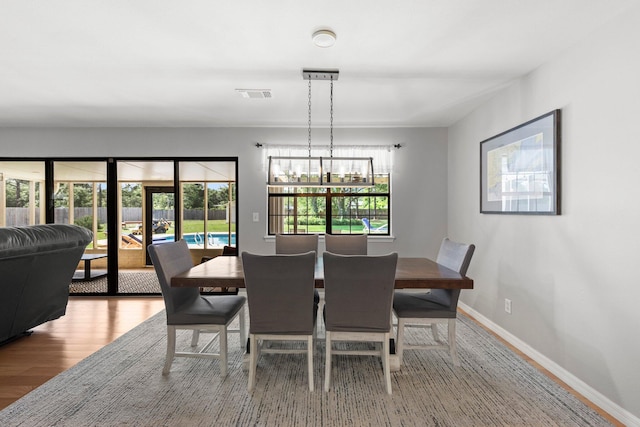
(127, 204)
(80, 197)
(160, 208)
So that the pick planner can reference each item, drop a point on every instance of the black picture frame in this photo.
(520, 169)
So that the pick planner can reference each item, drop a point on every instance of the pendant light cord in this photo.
(331, 121)
(309, 104)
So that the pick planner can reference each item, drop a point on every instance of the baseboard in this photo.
(574, 382)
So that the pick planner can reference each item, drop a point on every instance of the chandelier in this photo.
(320, 171)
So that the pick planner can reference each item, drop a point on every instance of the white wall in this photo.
(419, 190)
(572, 277)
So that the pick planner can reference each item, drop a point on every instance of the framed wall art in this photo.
(520, 169)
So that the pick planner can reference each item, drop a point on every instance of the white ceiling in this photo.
(178, 63)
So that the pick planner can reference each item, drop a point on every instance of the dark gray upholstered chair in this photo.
(347, 244)
(427, 309)
(280, 292)
(358, 297)
(187, 309)
(298, 244)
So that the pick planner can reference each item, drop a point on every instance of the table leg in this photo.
(87, 269)
(245, 356)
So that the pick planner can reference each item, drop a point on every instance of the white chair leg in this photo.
(195, 338)
(310, 361)
(434, 331)
(243, 330)
(171, 349)
(253, 362)
(327, 362)
(223, 351)
(385, 363)
(453, 348)
(400, 341)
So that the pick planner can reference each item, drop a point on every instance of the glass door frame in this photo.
(148, 214)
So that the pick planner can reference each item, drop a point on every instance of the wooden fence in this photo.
(20, 216)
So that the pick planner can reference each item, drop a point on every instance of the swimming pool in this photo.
(197, 239)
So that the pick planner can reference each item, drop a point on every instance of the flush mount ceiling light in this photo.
(324, 38)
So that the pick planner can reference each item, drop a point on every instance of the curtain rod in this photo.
(261, 145)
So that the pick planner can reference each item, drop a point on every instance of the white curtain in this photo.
(382, 154)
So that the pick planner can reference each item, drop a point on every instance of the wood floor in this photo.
(90, 324)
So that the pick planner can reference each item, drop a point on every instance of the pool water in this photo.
(213, 239)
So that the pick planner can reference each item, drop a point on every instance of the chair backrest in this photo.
(353, 244)
(280, 292)
(170, 259)
(229, 250)
(296, 243)
(359, 292)
(454, 255)
(366, 224)
(457, 257)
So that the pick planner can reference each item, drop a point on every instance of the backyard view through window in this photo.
(331, 210)
(208, 217)
(207, 208)
(22, 202)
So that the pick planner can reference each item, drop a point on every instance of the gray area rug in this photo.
(122, 384)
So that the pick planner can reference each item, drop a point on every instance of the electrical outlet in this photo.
(507, 305)
(256, 217)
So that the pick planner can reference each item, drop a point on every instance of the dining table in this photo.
(411, 273)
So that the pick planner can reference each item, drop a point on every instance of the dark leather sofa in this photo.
(36, 266)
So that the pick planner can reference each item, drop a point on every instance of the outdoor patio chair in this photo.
(368, 229)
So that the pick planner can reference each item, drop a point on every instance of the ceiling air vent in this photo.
(255, 93)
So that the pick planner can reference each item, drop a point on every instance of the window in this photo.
(80, 197)
(318, 210)
(334, 210)
(217, 199)
(131, 215)
(22, 193)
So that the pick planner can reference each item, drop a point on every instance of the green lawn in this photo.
(190, 226)
(355, 228)
(220, 226)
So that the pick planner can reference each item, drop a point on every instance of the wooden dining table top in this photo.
(416, 273)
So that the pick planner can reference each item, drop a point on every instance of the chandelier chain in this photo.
(309, 104)
(331, 121)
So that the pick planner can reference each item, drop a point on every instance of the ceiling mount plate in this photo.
(320, 74)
